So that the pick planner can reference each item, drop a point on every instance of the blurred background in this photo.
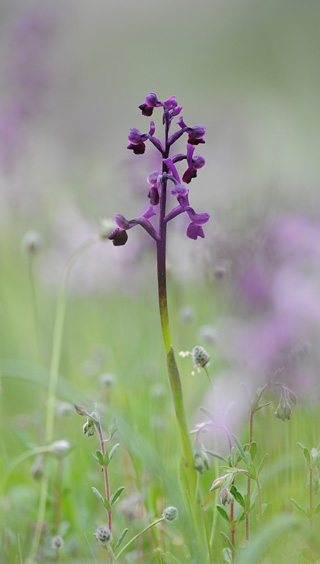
(72, 75)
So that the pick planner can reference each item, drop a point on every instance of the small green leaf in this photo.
(120, 539)
(301, 446)
(252, 472)
(307, 455)
(239, 446)
(262, 463)
(112, 428)
(292, 396)
(207, 412)
(97, 494)
(216, 455)
(298, 506)
(99, 458)
(227, 555)
(106, 504)
(263, 405)
(253, 450)
(317, 509)
(223, 513)
(111, 453)
(241, 518)
(228, 542)
(116, 495)
(237, 495)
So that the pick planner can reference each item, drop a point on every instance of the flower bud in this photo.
(38, 467)
(89, 427)
(187, 314)
(153, 195)
(32, 243)
(199, 464)
(103, 535)
(201, 358)
(60, 448)
(64, 409)
(225, 496)
(170, 513)
(57, 542)
(107, 380)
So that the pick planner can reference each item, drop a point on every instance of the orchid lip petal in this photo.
(194, 231)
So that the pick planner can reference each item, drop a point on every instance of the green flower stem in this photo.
(53, 379)
(207, 535)
(311, 494)
(106, 476)
(138, 535)
(188, 475)
(259, 497)
(176, 390)
(209, 378)
(34, 307)
(22, 457)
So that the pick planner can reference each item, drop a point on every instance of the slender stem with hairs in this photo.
(105, 471)
(137, 536)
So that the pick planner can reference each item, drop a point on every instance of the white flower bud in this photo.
(170, 513)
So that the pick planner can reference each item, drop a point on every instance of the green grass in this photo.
(121, 335)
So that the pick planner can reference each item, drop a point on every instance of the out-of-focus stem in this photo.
(105, 471)
(53, 380)
(259, 497)
(138, 535)
(34, 307)
(209, 377)
(311, 494)
(232, 530)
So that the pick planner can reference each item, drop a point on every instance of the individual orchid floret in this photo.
(153, 194)
(172, 105)
(137, 140)
(119, 236)
(196, 135)
(150, 103)
(194, 163)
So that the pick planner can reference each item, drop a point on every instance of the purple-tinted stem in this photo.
(105, 470)
(161, 251)
(173, 373)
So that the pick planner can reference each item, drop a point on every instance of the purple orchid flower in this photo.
(158, 182)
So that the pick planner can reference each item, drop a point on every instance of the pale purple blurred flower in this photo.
(276, 285)
(27, 77)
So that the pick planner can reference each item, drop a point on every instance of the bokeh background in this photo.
(72, 75)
